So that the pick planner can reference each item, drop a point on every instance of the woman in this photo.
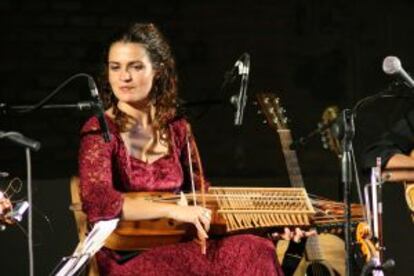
(148, 152)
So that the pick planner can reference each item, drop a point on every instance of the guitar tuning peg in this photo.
(254, 102)
(259, 112)
(264, 122)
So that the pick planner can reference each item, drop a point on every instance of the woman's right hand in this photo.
(199, 216)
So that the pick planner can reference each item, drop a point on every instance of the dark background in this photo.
(310, 53)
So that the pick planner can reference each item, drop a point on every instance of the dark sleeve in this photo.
(398, 139)
(100, 200)
(293, 257)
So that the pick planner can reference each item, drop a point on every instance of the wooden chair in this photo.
(81, 221)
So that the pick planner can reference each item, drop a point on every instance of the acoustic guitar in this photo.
(324, 253)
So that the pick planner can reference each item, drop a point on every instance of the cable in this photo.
(54, 92)
(358, 182)
(29, 167)
(30, 217)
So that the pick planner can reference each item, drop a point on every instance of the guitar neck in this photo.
(313, 249)
(292, 164)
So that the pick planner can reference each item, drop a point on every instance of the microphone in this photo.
(392, 65)
(21, 140)
(239, 101)
(372, 265)
(4, 175)
(388, 264)
(99, 110)
(86, 105)
(231, 74)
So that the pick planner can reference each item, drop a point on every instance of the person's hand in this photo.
(294, 252)
(297, 235)
(198, 216)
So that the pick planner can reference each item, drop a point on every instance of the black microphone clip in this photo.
(392, 66)
(238, 68)
(21, 140)
(239, 101)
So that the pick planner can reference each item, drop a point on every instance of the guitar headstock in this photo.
(329, 139)
(272, 109)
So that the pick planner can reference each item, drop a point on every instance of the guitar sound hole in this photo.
(318, 269)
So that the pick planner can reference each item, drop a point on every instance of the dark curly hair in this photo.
(164, 89)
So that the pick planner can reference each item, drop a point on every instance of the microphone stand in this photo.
(34, 145)
(304, 139)
(346, 162)
(82, 106)
(31, 144)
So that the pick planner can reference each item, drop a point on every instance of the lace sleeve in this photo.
(100, 200)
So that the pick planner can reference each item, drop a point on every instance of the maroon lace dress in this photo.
(106, 170)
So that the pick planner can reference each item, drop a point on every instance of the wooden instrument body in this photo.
(145, 234)
(234, 210)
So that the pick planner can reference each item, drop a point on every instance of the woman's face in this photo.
(130, 72)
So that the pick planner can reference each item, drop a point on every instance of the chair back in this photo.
(81, 220)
